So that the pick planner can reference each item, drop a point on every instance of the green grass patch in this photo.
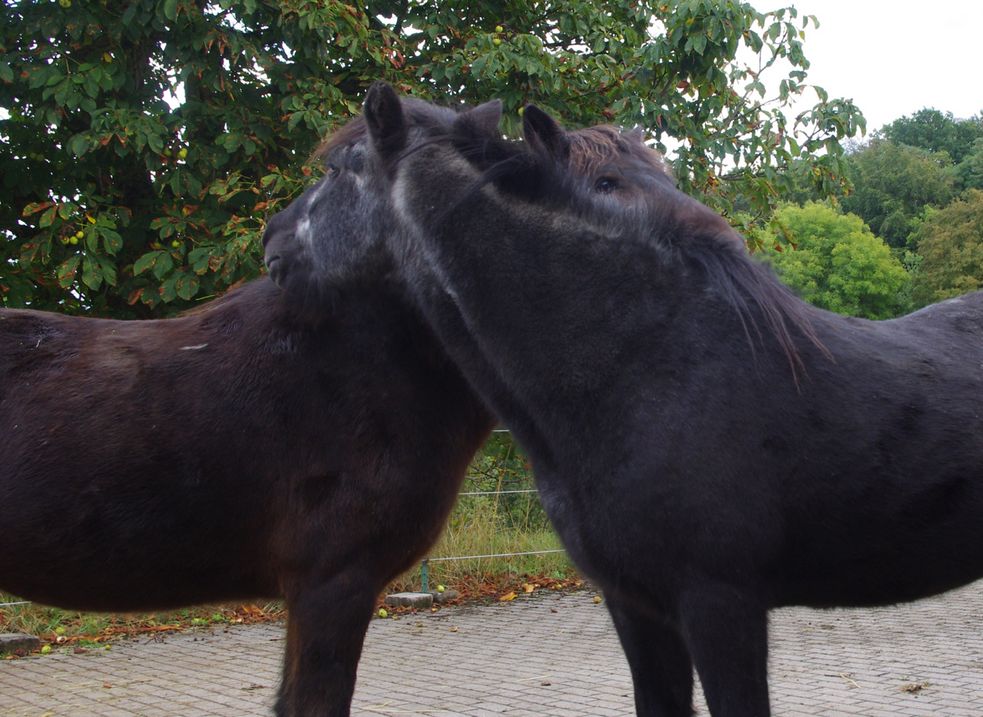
(69, 627)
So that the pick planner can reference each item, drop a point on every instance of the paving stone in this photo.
(417, 600)
(446, 596)
(837, 663)
(17, 643)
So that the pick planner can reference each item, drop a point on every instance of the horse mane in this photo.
(696, 234)
(744, 283)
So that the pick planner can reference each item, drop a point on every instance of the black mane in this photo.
(669, 220)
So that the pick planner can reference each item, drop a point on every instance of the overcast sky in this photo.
(894, 57)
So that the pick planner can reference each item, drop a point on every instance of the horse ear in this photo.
(485, 117)
(636, 134)
(544, 134)
(383, 114)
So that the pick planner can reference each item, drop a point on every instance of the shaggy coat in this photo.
(707, 445)
(245, 450)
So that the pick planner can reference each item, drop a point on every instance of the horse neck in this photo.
(557, 331)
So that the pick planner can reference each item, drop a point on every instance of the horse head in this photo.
(339, 232)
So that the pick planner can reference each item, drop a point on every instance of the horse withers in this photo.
(253, 448)
(707, 445)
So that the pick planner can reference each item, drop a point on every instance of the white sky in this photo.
(894, 57)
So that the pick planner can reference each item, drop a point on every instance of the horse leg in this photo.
(727, 634)
(661, 668)
(326, 626)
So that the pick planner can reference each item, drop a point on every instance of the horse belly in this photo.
(125, 545)
(90, 576)
(903, 549)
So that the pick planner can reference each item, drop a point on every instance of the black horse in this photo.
(707, 445)
(250, 449)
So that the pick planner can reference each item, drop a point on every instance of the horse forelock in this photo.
(349, 134)
(594, 147)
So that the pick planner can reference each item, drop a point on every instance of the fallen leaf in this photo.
(507, 597)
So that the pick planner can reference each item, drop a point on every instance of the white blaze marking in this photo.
(304, 230)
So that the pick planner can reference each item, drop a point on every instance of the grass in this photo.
(479, 525)
(480, 533)
(495, 523)
(87, 629)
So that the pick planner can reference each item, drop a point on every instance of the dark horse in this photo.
(252, 448)
(707, 445)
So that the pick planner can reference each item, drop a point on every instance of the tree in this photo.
(950, 243)
(935, 131)
(836, 263)
(893, 183)
(969, 172)
(145, 142)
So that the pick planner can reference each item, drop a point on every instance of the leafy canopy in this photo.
(969, 172)
(950, 243)
(936, 131)
(838, 264)
(892, 185)
(145, 142)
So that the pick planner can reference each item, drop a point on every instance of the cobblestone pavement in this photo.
(541, 655)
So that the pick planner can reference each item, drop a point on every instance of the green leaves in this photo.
(170, 9)
(145, 262)
(950, 244)
(66, 271)
(893, 184)
(48, 218)
(167, 135)
(835, 262)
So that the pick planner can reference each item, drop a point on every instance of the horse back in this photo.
(884, 443)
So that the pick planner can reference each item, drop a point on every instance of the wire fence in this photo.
(494, 474)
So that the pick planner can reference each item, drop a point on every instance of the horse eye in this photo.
(605, 185)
